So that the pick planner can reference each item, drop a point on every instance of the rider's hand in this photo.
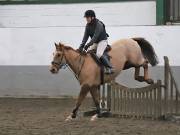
(81, 48)
(86, 47)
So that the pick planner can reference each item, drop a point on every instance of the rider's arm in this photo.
(99, 29)
(85, 37)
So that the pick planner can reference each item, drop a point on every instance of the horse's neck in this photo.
(72, 58)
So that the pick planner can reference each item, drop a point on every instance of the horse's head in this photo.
(58, 59)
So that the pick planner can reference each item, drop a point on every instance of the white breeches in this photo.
(101, 46)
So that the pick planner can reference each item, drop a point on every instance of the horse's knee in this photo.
(84, 89)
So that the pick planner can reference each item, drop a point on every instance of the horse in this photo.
(124, 54)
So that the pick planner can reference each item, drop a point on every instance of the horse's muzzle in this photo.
(53, 70)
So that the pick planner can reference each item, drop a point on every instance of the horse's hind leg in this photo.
(137, 76)
(146, 74)
(84, 90)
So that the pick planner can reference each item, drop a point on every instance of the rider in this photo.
(96, 30)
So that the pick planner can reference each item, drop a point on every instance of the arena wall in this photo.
(28, 33)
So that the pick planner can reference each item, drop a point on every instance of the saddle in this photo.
(98, 61)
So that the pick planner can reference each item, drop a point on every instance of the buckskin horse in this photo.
(124, 54)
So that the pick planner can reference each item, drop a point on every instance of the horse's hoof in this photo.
(150, 81)
(69, 118)
(94, 117)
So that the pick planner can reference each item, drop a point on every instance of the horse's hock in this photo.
(155, 101)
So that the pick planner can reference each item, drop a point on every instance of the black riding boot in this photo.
(109, 69)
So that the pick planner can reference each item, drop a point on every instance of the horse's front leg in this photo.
(96, 98)
(83, 92)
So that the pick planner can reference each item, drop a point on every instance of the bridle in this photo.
(61, 65)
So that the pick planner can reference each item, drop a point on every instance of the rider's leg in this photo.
(100, 50)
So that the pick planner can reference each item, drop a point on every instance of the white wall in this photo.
(34, 46)
(28, 33)
(26, 39)
(118, 13)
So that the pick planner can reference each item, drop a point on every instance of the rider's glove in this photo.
(87, 46)
(81, 48)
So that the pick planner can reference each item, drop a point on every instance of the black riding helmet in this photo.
(89, 13)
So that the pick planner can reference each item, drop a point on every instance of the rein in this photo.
(81, 63)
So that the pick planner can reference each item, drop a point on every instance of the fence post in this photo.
(103, 96)
(166, 83)
(159, 98)
(109, 89)
(171, 102)
(177, 102)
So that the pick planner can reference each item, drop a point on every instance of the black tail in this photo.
(147, 50)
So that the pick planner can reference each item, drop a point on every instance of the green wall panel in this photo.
(160, 12)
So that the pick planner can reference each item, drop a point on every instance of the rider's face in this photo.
(88, 19)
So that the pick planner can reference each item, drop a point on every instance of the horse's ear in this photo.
(56, 45)
(60, 46)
